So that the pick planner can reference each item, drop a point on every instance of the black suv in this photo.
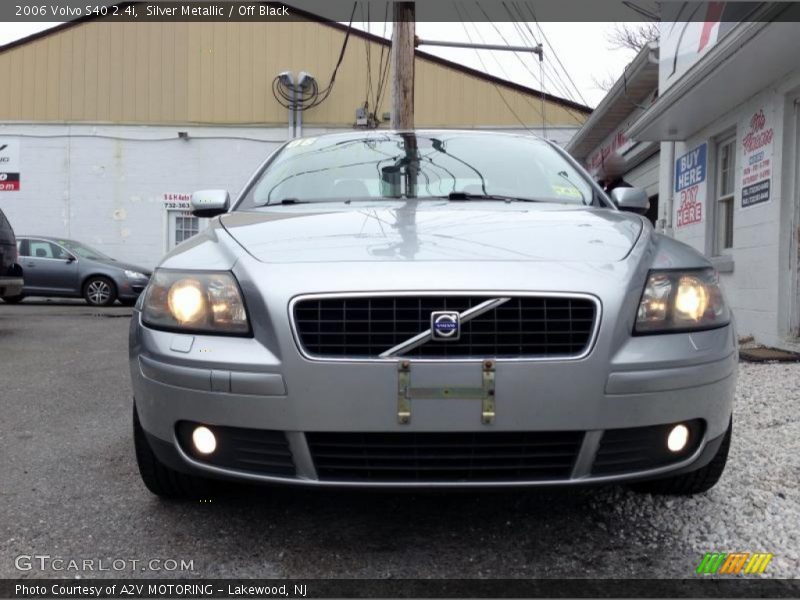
(10, 272)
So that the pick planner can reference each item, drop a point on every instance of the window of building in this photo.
(723, 211)
(186, 227)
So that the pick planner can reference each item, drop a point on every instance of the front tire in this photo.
(159, 478)
(99, 291)
(14, 299)
(694, 482)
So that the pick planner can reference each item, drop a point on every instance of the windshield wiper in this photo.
(498, 197)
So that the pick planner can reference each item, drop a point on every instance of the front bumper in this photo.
(240, 383)
(130, 289)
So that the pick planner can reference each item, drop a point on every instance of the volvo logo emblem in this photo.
(445, 325)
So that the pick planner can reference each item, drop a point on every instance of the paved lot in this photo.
(69, 488)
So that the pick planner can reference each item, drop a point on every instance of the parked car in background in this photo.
(10, 271)
(66, 268)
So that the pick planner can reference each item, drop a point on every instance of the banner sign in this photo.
(690, 186)
(178, 201)
(757, 145)
(395, 587)
(9, 165)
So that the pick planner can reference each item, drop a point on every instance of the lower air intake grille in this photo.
(642, 448)
(523, 326)
(445, 457)
(254, 450)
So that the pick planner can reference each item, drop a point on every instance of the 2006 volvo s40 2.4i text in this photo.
(430, 309)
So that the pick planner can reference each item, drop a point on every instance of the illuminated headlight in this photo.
(134, 275)
(681, 301)
(203, 302)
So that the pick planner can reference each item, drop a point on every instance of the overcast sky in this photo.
(582, 48)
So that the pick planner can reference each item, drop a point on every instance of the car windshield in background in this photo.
(83, 251)
(408, 165)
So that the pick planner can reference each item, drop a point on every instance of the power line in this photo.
(552, 48)
(492, 54)
(539, 110)
(368, 52)
(549, 75)
(559, 88)
(477, 54)
(549, 72)
(542, 66)
(383, 69)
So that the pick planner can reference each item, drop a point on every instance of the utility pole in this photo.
(404, 14)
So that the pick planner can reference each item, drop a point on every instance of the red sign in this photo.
(757, 137)
(757, 158)
(619, 140)
(9, 182)
(690, 209)
(177, 197)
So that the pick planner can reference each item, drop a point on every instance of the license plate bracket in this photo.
(406, 393)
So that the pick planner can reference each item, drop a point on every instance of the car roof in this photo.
(377, 133)
(47, 238)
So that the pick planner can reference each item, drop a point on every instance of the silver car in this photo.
(57, 267)
(430, 309)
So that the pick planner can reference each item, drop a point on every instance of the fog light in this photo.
(204, 440)
(677, 439)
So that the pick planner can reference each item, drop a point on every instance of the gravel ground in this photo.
(69, 488)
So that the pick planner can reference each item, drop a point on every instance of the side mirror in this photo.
(70, 259)
(631, 199)
(210, 203)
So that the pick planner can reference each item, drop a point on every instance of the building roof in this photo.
(637, 82)
(566, 103)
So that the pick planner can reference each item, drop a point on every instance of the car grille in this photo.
(525, 326)
(259, 451)
(641, 448)
(446, 457)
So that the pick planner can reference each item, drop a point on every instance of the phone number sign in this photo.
(9, 165)
(690, 186)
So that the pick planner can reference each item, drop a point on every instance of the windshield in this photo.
(461, 166)
(83, 251)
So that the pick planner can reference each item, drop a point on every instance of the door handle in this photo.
(30, 264)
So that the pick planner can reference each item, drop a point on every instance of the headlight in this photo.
(199, 302)
(681, 301)
(134, 275)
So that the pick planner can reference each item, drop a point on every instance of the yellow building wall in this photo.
(221, 73)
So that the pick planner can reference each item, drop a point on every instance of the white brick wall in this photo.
(757, 288)
(104, 185)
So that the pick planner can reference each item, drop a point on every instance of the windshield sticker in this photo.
(301, 142)
(565, 191)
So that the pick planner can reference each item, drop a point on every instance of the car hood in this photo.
(433, 231)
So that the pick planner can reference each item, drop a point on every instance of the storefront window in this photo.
(723, 215)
